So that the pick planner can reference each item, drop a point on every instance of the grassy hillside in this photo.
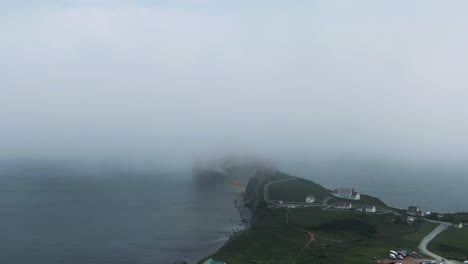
(301, 189)
(451, 243)
(253, 196)
(340, 237)
(283, 236)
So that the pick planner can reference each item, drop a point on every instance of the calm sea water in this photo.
(53, 218)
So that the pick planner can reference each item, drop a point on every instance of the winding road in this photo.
(266, 188)
(429, 237)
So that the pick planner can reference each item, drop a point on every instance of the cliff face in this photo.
(253, 195)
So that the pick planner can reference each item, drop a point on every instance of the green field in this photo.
(451, 243)
(341, 237)
(302, 189)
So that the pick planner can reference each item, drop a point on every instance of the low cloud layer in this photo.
(179, 80)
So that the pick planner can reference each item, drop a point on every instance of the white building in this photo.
(414, 211)
(343, 205)
(370, 208)
(346, 194)
(310, 199)
(458, 225)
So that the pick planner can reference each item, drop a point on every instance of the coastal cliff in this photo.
(253, 195)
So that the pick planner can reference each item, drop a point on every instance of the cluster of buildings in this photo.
(349, 205)
(414, 213)
(346, 194)
(351, 194)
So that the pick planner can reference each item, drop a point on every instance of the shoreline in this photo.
(246, 217)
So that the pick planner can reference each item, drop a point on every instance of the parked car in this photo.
(400, 257)
(393, 252)
(392, 256)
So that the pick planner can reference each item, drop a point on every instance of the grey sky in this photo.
(182, 79)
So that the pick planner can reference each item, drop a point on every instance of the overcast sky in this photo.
(184, 79)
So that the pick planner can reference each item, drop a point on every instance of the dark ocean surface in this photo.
(52, 218)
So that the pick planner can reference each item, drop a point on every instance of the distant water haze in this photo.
(431, 187)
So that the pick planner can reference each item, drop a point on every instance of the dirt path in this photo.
(331, 240)
(312, 237)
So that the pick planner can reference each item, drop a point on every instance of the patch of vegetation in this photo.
(358, 229)
(424, 229)
(264, 244)
(463, 217)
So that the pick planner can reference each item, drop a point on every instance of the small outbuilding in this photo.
(310, 199)
(458, 225)
(343, 205)
(370, 209)
(410, 220)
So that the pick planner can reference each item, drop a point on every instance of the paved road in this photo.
(427, 239)
(266, 188)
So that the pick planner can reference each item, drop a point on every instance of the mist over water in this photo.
(431, 187)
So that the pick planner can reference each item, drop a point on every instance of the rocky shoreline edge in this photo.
(246, 216)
